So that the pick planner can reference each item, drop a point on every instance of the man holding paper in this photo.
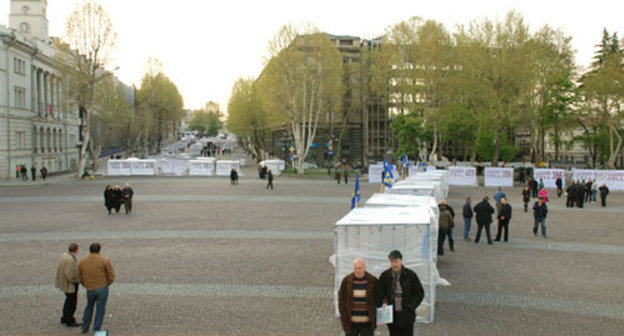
(356, 301)
(400, 287)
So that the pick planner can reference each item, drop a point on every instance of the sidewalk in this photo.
(55, 179)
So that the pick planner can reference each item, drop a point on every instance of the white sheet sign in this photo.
(462, 176)
(118, 168)
(143, 167)
(201, 167)
(498, 177)
(549, 176)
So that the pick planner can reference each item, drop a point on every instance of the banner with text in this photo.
(614, 179)
(374, 173)
(498, 177)
(225, 167)
(201, 168)
(172, 167)
(143, 167)
(549, 176)
(118, 168)
(462, 176)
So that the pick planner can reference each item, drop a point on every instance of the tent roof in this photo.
(416, 215)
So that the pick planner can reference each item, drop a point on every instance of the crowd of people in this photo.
(266, 174)
(580, 192)
(21, 172)
(115, 197)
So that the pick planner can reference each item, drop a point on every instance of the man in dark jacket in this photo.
(503, 220)
(467, 213)
(580, 194)
(33, 172)
(445, 223)
(233, 176)
(604, 191)
(588, 186)
(526, 197)
(117, 198)
(533, 186)
(127, 194)
(571, 195)
(483, 215)
(449, 232)
(540, 210)
(559, 184)
(109, 198)
(356, 301)
(400, 287)
(270, 179)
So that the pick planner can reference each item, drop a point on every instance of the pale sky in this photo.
(206, 45)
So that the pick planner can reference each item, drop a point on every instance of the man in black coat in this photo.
(483, 215)
(503, 220)
(127, 194)
(571, 195)
(604, 191)
(559, 184)
(468, 214)
(580, 194)
(445, 207)
(400, 287)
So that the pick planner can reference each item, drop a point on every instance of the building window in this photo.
(20, 97)
(24, 27)
(346, 42)
(19, 66)
(20, 140)
(25, 9)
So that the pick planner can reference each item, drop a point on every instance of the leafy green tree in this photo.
(206, 123)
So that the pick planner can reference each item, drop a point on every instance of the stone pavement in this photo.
(202, 257)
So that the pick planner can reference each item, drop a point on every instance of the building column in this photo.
(40, 92)
(51, 109)
(35, 139)
(46, 86)
(41, 140)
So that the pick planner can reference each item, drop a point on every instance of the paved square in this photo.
(202, 257)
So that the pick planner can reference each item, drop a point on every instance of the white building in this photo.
(37, 125)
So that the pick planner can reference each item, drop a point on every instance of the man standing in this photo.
(504, 217)
(467, 218)
(604, 191)
(17, 172)
(498, 196)
(445, 223)
(580, 194)
(127, 193)
(483, 216)
(33, 172)
(270, 179)
(588, 186)
(67, 282)
(400, 287)
(540, 210)
(445, 207)
(345, 173)
(24, 173)
(571, 195)
(44, 172)
(559, 184)
(526, 197)
(356, 301)
(533, 186)
(96, 273)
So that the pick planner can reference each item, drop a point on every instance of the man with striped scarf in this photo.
(356, 301)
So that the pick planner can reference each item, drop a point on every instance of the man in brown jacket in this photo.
(67, 282)
(356, 301)
(96, 273)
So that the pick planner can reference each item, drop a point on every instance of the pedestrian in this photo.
(503, 220)
(498, 196)
(67, 282)
(588, 186)
(233, 176)
(96, 274)
(443, 206)
(467, 213)
(540, 211)
(543, 195)
(44, 172)
(356, 301)
(17, 172)
(445, 223)
(604, 191)
(33, 172)
(580, 193)
(117, 198)
(127, 194)
(559, 184)
(540, 186)
(270, 179)
(400, 287)
(594, 190)
(483, 216)
(533, 186)
(337, 175)
(526, 197)
(571, 195)
(109, 198)
(24, 173)
(345, 173)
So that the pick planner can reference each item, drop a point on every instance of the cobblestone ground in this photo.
(202, 257)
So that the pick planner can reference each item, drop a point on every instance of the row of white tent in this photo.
(172, 167)
(404, 218)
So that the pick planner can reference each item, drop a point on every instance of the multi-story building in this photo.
(37, 125)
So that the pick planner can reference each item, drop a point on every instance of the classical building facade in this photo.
(37, 125)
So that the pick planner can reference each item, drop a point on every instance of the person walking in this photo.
(400, 287)
(67, 282)
(233, 176)
(117, 198)
(498, 196)
(533, 186)
(604, 191)
(44, 172)
(526, 198)
(345, 173)
(24, 173)
(127, 194)
(540, 211)
(588, 186)
(559, 184)
(270, 179)
(337, 175)
(17, 172)
(96, 274)
(109, 198)
(33, 172)
(503, 220)
(594, 190)
(356, 301)
(580, 194)
(483, 216)
(443, 206)
(543, 195)
(467, 214)
(571, 195)
(540, 186)
(445, 223)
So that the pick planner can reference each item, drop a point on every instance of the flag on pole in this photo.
(388, 176)
(355, 197)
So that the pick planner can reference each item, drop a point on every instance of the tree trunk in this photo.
(497, 144)
(86, 136)
(434, 148)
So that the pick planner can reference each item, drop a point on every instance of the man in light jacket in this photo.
(96, 273)
(67, 282)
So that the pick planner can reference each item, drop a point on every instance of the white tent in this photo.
(372, 232)
(386, 200)
(275, 166)
(224, 167)
(202, 167)
(437, 175)
(418, 188)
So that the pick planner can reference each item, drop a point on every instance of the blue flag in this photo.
(388, 176)
(405, 161)
(355, 197)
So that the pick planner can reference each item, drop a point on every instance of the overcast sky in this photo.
(206, 45)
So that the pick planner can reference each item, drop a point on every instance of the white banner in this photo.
(583, 174)
(225, 167)
(201, 167)
(118, 168)
(143, 167)
(614, 179)
(498, 177)
(414, 169)
(374, 173)
(172, 167)
(462, 176)
(549, 176)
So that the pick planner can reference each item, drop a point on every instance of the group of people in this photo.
(95, 273)
(114, 197)
(21, 172)
(361, 293)
(266, 174)
(583, 191)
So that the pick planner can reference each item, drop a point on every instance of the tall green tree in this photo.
(205, 122)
